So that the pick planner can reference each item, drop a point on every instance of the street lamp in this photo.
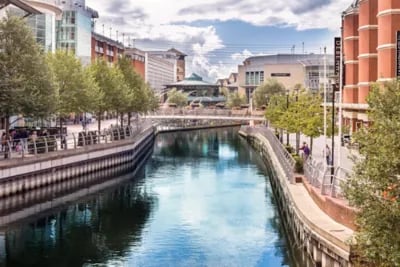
(333, 83)
(287, 107)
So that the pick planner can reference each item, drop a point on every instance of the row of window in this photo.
(254, 77)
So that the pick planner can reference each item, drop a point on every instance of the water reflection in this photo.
(203, 200)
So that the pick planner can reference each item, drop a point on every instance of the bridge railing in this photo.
(284, 157)
(38, 145)
(206, 112)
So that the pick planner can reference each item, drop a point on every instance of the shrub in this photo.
(298, 166)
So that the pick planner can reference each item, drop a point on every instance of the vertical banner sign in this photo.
(338, 42)
(398, 54)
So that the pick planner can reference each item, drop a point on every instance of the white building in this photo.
(159, 72)
(74, 30)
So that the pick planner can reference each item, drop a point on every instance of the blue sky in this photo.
(218, 34)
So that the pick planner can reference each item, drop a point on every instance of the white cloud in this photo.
(162, 24)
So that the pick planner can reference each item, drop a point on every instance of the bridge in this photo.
(206, 114)
(205, 117)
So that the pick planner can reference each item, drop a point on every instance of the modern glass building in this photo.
(74, 30)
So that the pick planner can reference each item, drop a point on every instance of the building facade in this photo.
(105, 48)
(74, 30)
(288, 69)
(159, 72)
(138, 60)
(176, 57)
(369, 50)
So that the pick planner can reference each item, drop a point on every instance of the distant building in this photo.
(159, 72)
(106, 48)
(138, 60)
(288, 69)
(230, 83)
(74, 30)
(176, 57)
(198, 90)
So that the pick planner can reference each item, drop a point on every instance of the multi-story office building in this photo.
(176, 57)
(159, 72)
(106, 48)
(74, 30)
(288, 69)
(138, 60)
(369, 47)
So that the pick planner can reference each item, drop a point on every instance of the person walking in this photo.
(306, 151)
(327, 153)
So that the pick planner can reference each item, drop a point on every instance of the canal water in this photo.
(203, 199)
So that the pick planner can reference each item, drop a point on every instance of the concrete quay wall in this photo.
(324, 240)
(23, 175)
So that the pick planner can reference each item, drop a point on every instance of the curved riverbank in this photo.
(325, 240)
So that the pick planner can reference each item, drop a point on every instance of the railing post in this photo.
(91, 138)
(119, 135)
(34, 147)
(73, 135)
(46, 145)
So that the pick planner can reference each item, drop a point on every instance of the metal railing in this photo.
(320, 177)
(284, 157)
(207, 112)
(38, 145)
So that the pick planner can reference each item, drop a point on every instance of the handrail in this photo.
(36, 145)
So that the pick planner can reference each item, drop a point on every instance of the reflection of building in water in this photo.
(115, 211)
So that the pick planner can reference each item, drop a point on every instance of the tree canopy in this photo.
(178, 98)
(26, 85)
(374, 188)
(264, 92)
(235, 100)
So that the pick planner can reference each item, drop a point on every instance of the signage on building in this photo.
(280, 74)
(398, 54)
(338, 44)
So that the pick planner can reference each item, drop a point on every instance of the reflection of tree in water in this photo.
(96, 230)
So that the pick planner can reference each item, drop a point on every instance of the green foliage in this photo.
(264, 92)
(75, 88)
(177, 97)
(137, 90)
(276, 108)
(374, 188)
(114, 91)
(298, 166)
(225, 92)
(235, 100)
(26, 85)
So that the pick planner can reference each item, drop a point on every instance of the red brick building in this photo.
(369, 46)
(106, 48)
(138, 60)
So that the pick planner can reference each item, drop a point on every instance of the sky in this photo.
(217, 35)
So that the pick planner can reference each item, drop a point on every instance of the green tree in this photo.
(374, 188)
(263, 93)
(26, 85)
(235, 100)
(74, 87)
(114, 95)
(178, 98)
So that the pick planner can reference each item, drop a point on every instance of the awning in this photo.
(20, 4)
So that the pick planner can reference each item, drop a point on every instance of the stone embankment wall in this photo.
(324, 246)
(22, 175)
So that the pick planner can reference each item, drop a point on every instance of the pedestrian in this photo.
(306, 151)
(327, 153)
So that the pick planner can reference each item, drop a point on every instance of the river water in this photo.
(203, 199)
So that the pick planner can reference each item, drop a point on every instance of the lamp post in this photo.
(333, 126)
(287, 107)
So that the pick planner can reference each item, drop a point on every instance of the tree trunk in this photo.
(129, 118)
(122, 119)
(99, 121)
(297, 143)
(281, 136)
(7, 149)
(311, 144)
